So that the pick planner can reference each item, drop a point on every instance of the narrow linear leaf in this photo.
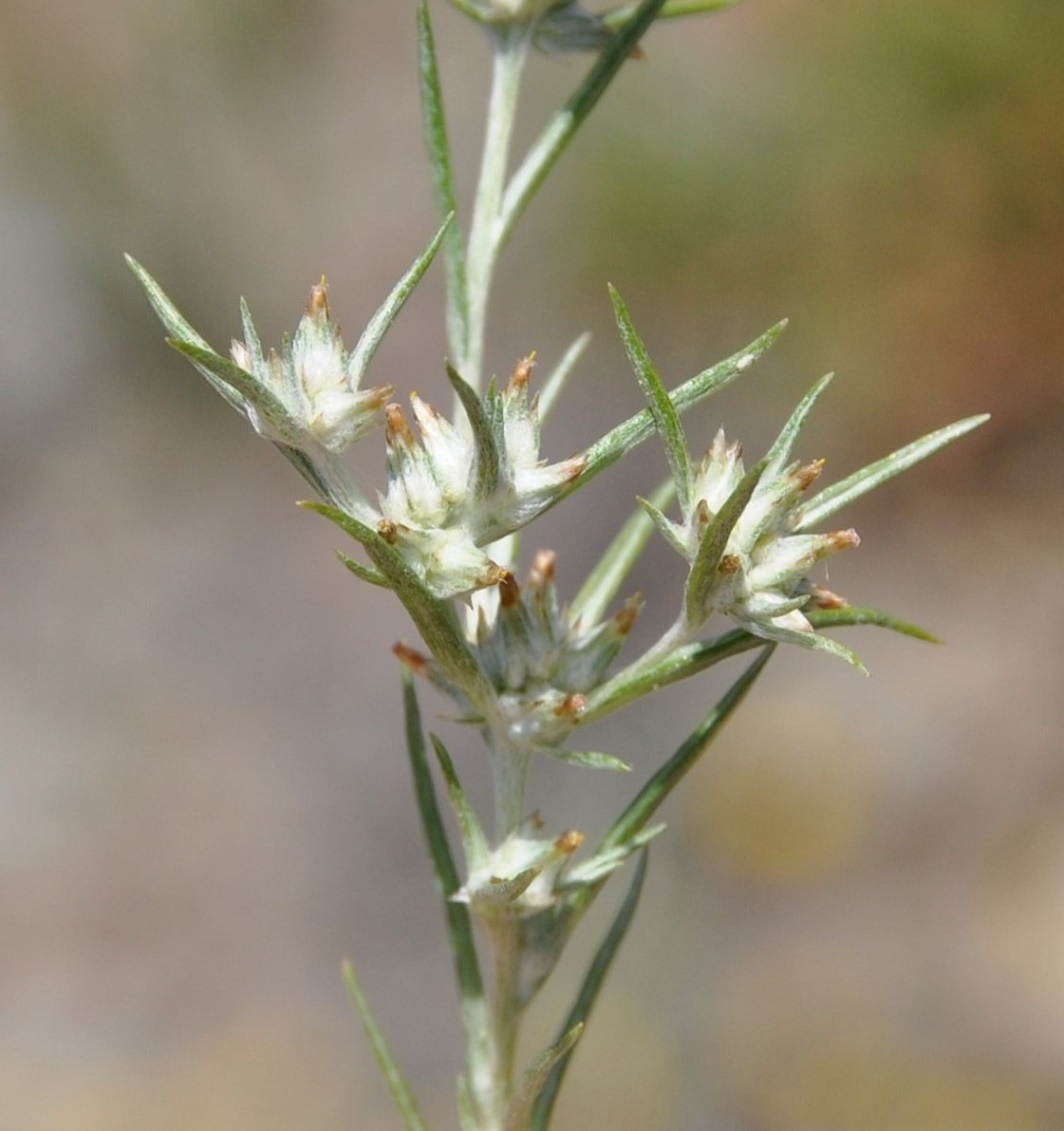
(552, 387)
(848, 617)
(364, 573)
(459, 924)
(603, 864)
(780, 452)
(704, 569)
(328, 476)
(817, 643)
(662, 783)
(517, 1118)
(554, 140)
(671, 9)
(840, 494)
(680, 664)
(179, 328)
(664, 526)
(710, 380)
(693, 659)
(666, 418)
(592, 759)
(169, 315)
(251, 336)
(388, 310)
(321, 470)
(488, 463)
(266, 403)
(589, 991)
(435, 619)
(397, 1085)
(474, 841)
(434, 126)
(624, 437)
(606, 579)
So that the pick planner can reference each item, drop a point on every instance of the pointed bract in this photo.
(456, 487)
(314, 379)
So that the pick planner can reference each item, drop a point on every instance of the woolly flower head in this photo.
(314, 378)
(540, 659)
(743, 533)
(460, 486)
(763, 571)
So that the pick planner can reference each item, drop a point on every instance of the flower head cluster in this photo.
(465, 484)
(527, 642)
(314, 378)
(529, 888)
(307, 399)
(540, 659)
(517, 891)
(762, 574)
(521, 873)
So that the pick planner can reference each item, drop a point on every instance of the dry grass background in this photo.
(856, 922)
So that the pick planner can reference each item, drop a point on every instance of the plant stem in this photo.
(506, 1011)
(511, 44)
(612, 694)
(510, 766)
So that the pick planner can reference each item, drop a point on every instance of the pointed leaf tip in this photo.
(665, 414)
(386, 1062)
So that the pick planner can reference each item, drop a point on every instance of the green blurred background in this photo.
(856, 920)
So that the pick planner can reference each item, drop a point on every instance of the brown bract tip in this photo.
(571, 705)
(845, 539)
(416, 399)
(318, 302)
(542, 572)
(522, 372)
(569, 842)
(509, 591)
(396, 426)
(574, 465)
(388, 531)
(378, 396)
(629, 614)
(729, 564)
(808, 475)
(824, 599)
(411, 659)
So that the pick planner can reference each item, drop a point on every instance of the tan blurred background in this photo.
(856, 920)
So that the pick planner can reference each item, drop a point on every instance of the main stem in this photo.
(506, 1010)
(510, 763)
(510, 766)
(511, 44)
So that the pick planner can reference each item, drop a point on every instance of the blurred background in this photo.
(856, 919)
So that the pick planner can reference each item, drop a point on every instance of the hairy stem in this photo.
(511, 45)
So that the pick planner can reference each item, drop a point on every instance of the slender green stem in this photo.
(511, 773)
(545, 152)
(506, 1010)
(614, 692)
(511, 44)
